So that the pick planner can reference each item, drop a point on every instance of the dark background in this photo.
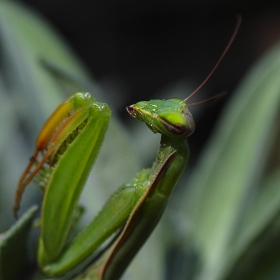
(142, 47)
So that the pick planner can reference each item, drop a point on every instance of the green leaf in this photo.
(13, 247)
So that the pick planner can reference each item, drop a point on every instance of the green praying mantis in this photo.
(66, 150)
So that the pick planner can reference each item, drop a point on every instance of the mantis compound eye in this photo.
(180, 124)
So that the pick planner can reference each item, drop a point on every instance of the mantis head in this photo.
(169, 117)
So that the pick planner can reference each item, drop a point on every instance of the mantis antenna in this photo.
(239, 19)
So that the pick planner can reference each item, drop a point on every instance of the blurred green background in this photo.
(224, 214)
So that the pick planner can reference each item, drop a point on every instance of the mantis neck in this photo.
(169, 145)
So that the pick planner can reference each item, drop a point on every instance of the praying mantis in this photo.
(66, 150)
